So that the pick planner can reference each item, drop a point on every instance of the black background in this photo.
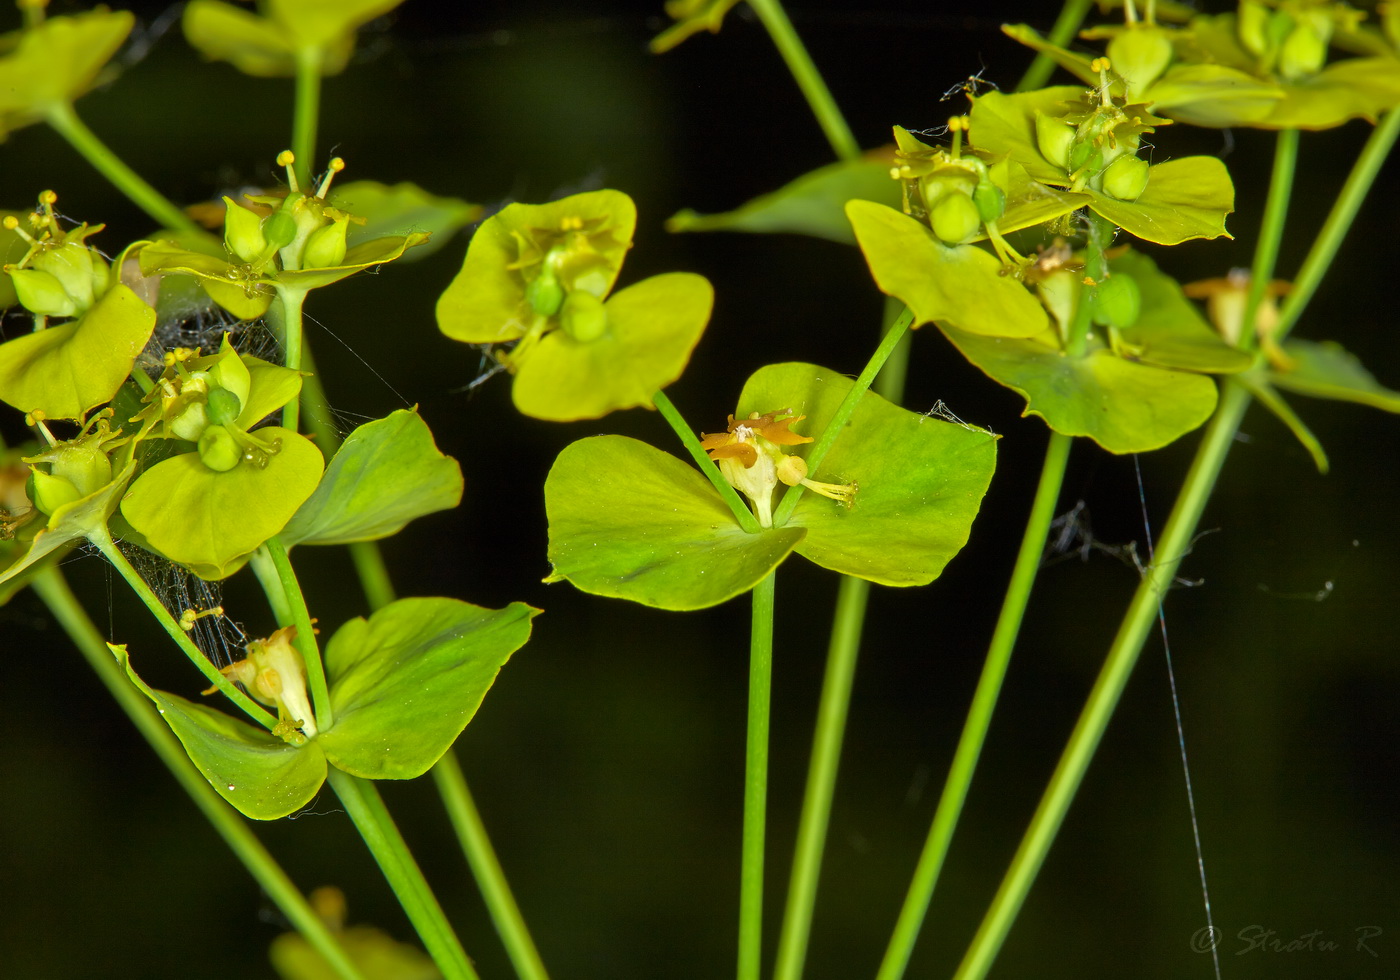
(607, 760)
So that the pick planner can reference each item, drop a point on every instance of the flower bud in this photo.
(325, 248)
(1116, 302)
(223, 406)
(1252, 24)
(1054, 137)
(39, 292)
(1140, 55)
(1126, 178)
(218, 449)
(48, 492)
(583, 317)
(243, 234)
(1304, 50)
(955, 219)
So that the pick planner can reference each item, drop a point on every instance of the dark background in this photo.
(607, 760)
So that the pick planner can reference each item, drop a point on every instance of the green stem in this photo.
(843, 413)
(1271, 230)
(373, 573)
(371, 818)
(66, 123)
(265, 571)
(842, 651)
(808, 79)
(103, 542)
(707, 466)
(53, 589)
(284, 317)
(889, 380)
(1142, 611)
(756, 781)
(1096, 268)
(306, 632)
(979, 716)
(316, 406)
(306, 115)
(1334, 229)
(1072, 14)
(471, 833)
(821, 776)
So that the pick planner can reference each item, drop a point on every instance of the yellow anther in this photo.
(571, 223)
(11, 223)
(286, 158)
(1100, 64)
(48, 198)
(334, 167)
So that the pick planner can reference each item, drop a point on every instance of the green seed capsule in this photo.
(1116, 302)
(1126, 178)
(583, 317)
(243, 232)
(955, 219)
(48, 493)
(41, 293)
(990, 200)
(1054, 137)
(325, 248)
(280, 229)
(218, 449)
(223, 407)
(544, 293)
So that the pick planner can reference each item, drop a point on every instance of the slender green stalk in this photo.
(319, 419)
(756, 782)
(979, 716)
(371, 818)
(707, 466)
(1271, 230)
(306, 114)
(53, 589)
(1175, 541)
(808, 79)
(306, 633)
(1096, 267)
(104, 543)
(889, 380)
(843, 413)
(471, 833)
(1122, 655)
(1072, 14)
(66, 123)
(821, 776)
(265, 570)
(843, 649)
(447, 773)
(1334, 229)
(284, 317)
(373, 573)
